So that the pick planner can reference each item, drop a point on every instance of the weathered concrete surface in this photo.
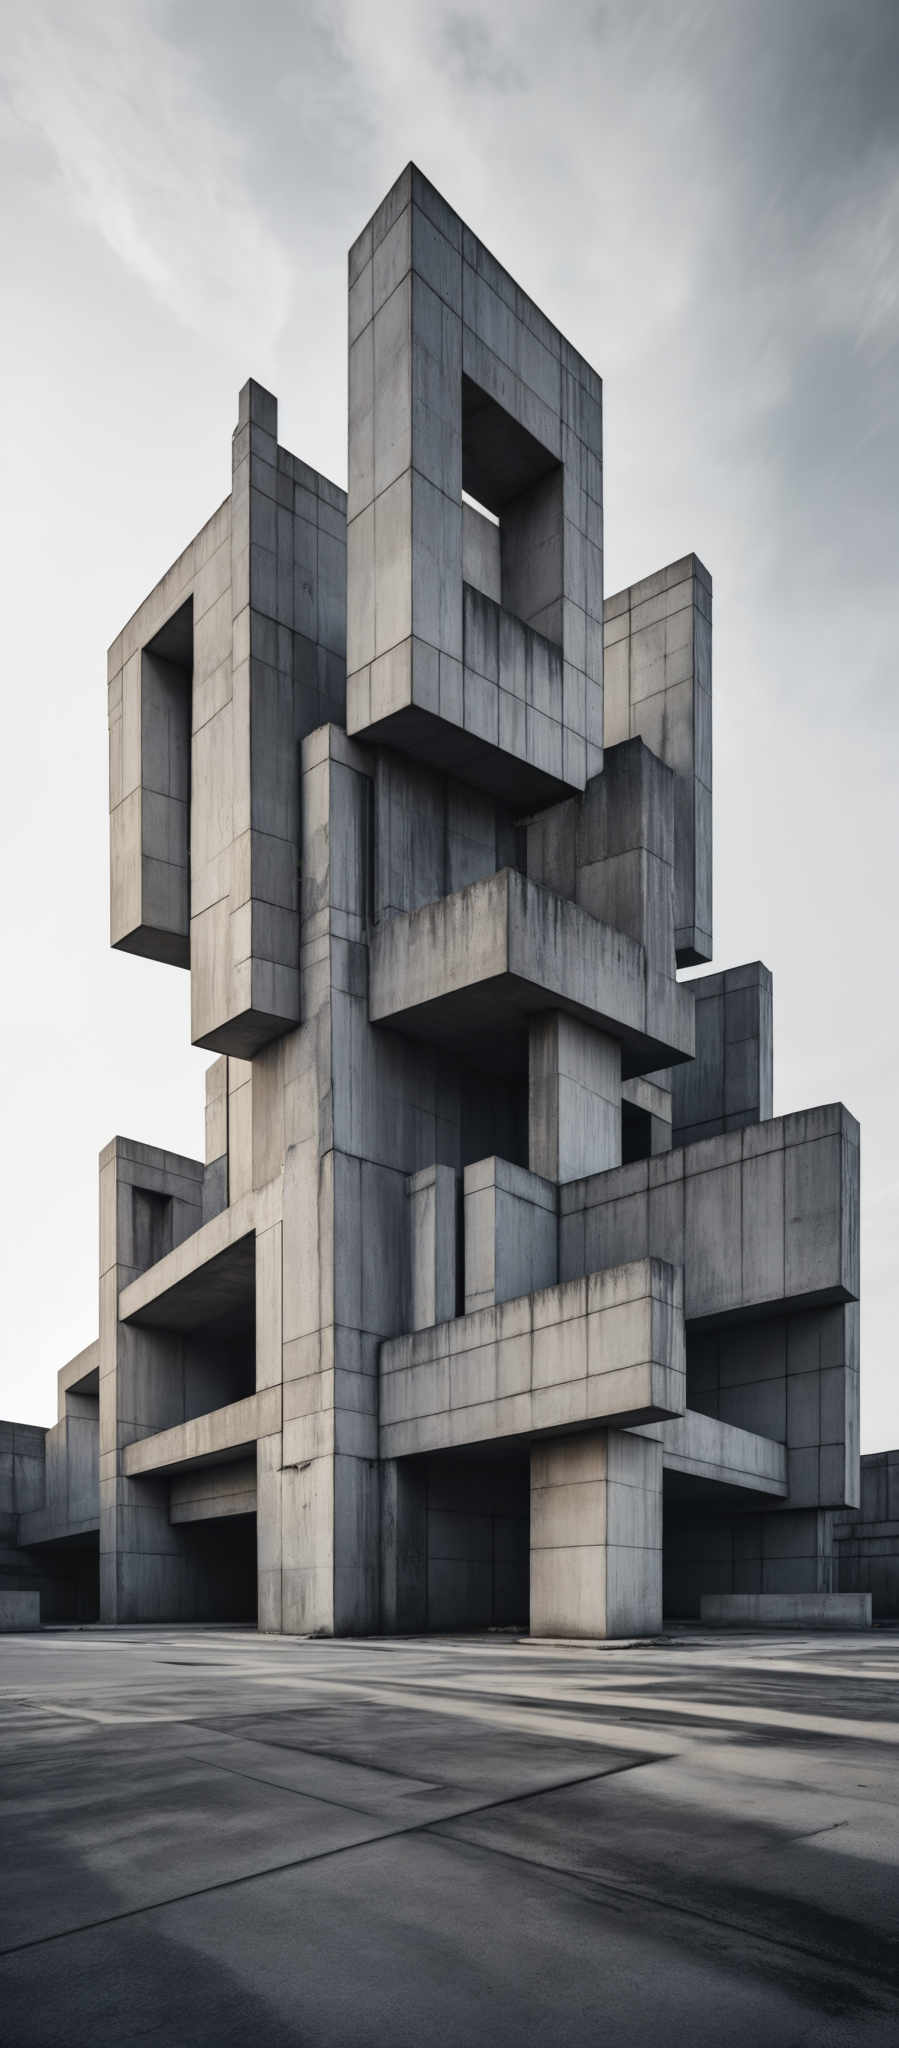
(596, 1536)
(212, 1837)
(607, 1349)
(658, 663)
(866, 1542)
(458, 381)
(19, 1610)
(786, 1610)
(476, 963)
(718, 1453)
(774, 1209)
(224, 1432)
(730, 1083)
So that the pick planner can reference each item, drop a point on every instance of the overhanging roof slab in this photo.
(469, 969)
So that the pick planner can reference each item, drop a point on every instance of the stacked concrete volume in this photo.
(500, 1296)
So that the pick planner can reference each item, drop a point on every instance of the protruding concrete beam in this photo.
(471, 969)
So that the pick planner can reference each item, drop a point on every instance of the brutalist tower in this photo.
(500, 1295)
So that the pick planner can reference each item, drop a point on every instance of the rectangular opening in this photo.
(636, 1133)
(205, 1333)
(152, 1227)
(166, 717)
(511, 481)
(478, 1542)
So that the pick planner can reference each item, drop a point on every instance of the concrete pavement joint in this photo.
(301, 1862)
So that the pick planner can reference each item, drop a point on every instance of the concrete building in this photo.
(500, 1296)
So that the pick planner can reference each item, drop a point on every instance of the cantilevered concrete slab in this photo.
(224, 1434)
(719, 1456)
(608, 1349)
(209, 1273)
(470, 969)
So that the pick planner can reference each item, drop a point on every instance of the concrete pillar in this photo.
(432, 1198)
(574, 1098)
(596, 1535)
(510, 1231)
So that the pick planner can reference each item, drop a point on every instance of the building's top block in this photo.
(482, 647)
(414, 191)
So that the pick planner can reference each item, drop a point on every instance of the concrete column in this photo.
(510, 1232)
(596, 1535)
(574, 1098)
(432, 1197)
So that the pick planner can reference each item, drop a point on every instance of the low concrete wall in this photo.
(786, 1610)
(19, 1611)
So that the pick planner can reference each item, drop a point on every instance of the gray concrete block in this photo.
(786, 1610)
(19, 1611)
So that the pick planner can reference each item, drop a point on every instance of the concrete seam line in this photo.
(227, 1884)
(645, 1897)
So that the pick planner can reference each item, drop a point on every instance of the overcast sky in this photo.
(705, 198)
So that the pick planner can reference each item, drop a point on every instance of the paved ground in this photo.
(212, 1838)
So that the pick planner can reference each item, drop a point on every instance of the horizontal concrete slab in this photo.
(41, 1525)
(207, 1273)
(81, 1375)
(608, 1349)
(469, 969)
(786, 1610)
(229, 1432)
(718, 1453)
(213, 1493)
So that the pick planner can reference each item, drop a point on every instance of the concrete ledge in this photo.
(228, 1432)
(19, 1611)
(721, 1454)
(472, 966)
(608, 1349)
(786, 1610)
(42, 1525)
(186, 1284)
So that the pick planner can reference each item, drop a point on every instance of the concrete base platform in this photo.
(786, 1610)
(19, 1611)
(213, 1837)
